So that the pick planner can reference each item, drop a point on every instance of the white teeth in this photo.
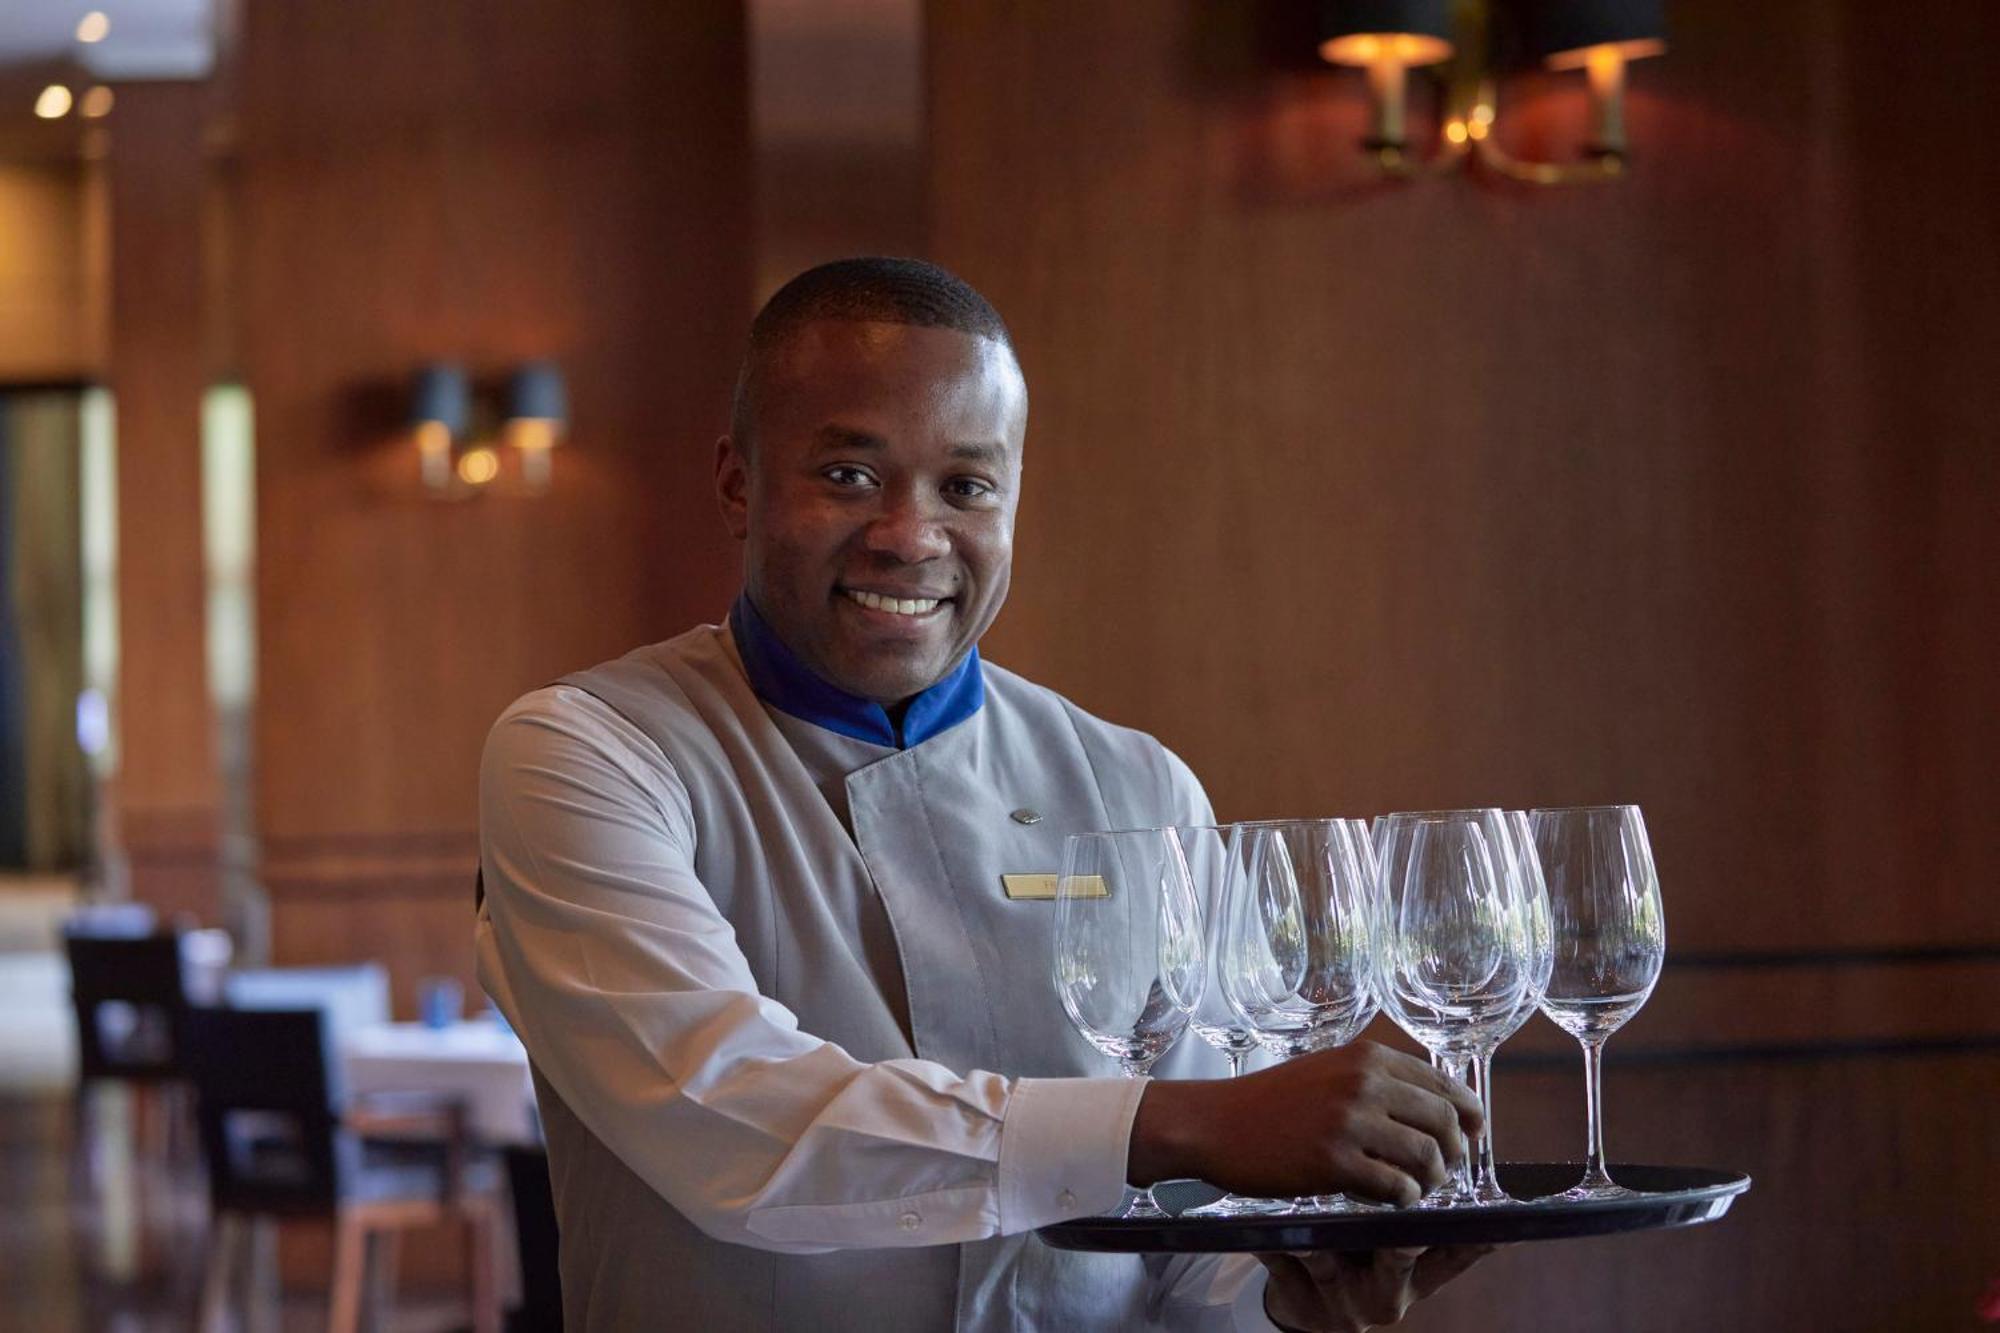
(902, 606)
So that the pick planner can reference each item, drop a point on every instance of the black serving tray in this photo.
(1671, 1196)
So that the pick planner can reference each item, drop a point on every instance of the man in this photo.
(798, 1058)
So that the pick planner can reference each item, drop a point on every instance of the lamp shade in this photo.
(1362, 32)
(537, 394)
(1561, 33)
(443, 397)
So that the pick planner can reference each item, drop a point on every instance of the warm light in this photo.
(1404, 48)
(1482, 114)
(478, 466)
(96, 103)
(54, 102)
(534, 437)
(533, 434)
(1454, 130)
(94, 27)
(1583, 57)
(1479, 129)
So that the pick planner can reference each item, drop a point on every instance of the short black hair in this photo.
(869, 288)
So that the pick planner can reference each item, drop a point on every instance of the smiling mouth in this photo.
(895, 606)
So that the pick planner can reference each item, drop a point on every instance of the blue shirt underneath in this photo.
(790, 686)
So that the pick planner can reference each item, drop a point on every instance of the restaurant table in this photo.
(480, 1062)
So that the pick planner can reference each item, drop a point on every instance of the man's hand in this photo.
(1362, 1120)
(1334, 1292)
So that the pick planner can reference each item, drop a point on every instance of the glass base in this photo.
(1236, 1205)
(1143, 1208)
(1587, 1192)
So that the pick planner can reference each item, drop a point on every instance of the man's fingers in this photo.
(1378, 1181)
(1427, 1113)
(1439, 1266)
(1418, 1073)
(1410, 1151)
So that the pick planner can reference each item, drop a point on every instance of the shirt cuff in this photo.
(1063, 1148)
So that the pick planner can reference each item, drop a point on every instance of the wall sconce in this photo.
(456, 459)
(1471, 42)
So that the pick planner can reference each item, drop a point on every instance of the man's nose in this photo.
(908, 529)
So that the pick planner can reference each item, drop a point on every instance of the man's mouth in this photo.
(896, 606)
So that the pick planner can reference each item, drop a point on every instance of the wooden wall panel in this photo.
(167, 791)
(486, 183)
(1368, 496)
(1399, 496)
(51, 280)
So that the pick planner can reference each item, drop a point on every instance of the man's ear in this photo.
(732, 487)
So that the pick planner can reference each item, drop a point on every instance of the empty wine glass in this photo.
(1293, 945)
(1209, 858)
(1129, 963)
(1451, 966)
(1532, 904)
(1610, 937)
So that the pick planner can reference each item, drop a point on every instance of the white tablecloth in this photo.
(480, 1062)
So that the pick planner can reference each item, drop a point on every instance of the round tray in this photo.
(1671, 1196)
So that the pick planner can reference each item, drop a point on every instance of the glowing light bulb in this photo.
(478, 466)
(96, 103)
(94, 26)
(54, 102)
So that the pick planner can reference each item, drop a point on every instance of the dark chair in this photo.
(283, 1140)
(131, 1004)
(535, 1235)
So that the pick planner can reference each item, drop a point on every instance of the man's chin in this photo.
(890, 684)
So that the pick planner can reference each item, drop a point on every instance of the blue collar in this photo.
(790, 686)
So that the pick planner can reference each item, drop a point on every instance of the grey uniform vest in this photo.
(894, 941)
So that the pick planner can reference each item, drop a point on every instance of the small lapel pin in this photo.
(1026, 816)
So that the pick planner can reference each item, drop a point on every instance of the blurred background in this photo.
(360, 366)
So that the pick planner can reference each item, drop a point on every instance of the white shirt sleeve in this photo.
(626, 984)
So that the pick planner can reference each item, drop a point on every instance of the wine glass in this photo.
(1610, 937)
(1210, 859)
(1531, 902)
(1129, 964)
(1293, 957)
(1451, 965)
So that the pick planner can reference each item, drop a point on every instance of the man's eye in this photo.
(848, 476)
(968, 488)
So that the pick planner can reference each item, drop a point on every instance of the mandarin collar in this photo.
(781, 680)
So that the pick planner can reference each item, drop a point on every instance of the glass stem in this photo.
(1594, 1174)
(1235, 1058)
(1489, 1175)
(1460, 1188)
(1143, 1204)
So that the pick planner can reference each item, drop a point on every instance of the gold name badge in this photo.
(1042, 888)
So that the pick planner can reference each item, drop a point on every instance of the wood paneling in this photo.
(837, 123)
(167, 790)
(1370, 496)
(51, 278)
(486, 183)
(1402, 496)
(1872, 1206)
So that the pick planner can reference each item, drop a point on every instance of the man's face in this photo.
(877, 506)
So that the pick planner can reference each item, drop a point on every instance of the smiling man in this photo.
(754, 903)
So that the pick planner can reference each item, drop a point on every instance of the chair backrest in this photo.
(268, 1097)
(111, 920)
(351, 996)
(131, 1004)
